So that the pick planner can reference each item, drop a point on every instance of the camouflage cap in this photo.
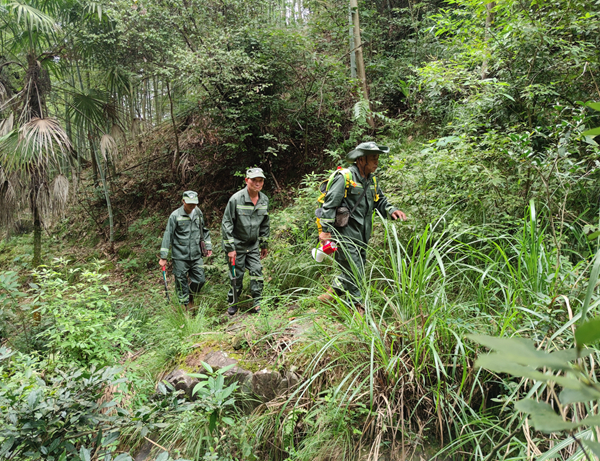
(366, 148)
(255, 173)
(189, 196)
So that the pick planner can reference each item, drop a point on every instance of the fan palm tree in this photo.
(34, 148)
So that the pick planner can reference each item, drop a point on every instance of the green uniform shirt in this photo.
(360, 223)
(184, 234)
(245, 226)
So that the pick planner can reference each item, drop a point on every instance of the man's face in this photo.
(371, 162)
(188, 207)
(255, 184)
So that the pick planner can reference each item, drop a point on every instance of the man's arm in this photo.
(227, 225)
(264, 232)
(333, 199)
(167, 241)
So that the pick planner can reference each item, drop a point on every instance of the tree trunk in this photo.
(489, 18)
(177, 154)
(94, 163)
(109, 209)
(37, 227)
(360, 63)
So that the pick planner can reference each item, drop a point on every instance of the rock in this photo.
(182, 381)
(269, 384)
(289, 380)
(264, 384)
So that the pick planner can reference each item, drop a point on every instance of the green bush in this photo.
(82, 323)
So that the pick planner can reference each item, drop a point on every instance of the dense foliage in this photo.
(110, 109)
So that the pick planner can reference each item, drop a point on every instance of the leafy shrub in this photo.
(83, 324)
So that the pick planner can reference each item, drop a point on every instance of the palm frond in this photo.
(35, 147)
(94, 8)
(6, 125)
(88, 110)
(8, 200)
(33, 18)
(60, 194)
(108, 147)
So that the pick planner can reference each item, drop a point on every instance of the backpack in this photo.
(324, 188)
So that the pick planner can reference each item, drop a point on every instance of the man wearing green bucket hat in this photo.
(245, 233)
(189, 240)
(350, 200)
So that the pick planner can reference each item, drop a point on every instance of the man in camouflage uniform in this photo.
(187, 235)
(346, 189)
(245, 230)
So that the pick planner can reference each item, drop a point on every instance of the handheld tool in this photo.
(164, 272)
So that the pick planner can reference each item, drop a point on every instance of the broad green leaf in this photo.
(499, 364)
(543, 417)
(522, 351)
(207, 367)
(592, 132)
(123, 457)
(197, 375)
(164, 456)
(588, 333)
(84, 454)
(6, 446)
(224, 370)
(583, 394)
(593, 235)
(212, 422)
(594, 446)
(591, 421)
(594, 105)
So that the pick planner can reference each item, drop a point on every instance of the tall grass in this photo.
(403, 372)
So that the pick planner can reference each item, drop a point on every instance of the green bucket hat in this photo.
(252, 173)
(366, 148)
(189, 196)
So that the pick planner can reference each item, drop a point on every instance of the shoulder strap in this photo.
(348, 180)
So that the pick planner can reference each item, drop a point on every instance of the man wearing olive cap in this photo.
(356, 189)
(245, 231)
(189, 240)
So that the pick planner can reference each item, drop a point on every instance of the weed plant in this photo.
(406, 362)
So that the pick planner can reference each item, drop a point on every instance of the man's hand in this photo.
(263, 253)
(231, 255)
(162, 262)
(324, 237)
(398, 215)
(208, 253)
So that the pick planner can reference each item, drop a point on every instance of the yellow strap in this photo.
(319, 227)
(375, 184)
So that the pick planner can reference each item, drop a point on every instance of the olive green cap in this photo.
(366, 148)
(255, 173)
(189, 196)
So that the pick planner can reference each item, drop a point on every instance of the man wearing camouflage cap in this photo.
(245, 231)
(189, 240)
(356, 189)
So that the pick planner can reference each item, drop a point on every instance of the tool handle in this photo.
(164, 268)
